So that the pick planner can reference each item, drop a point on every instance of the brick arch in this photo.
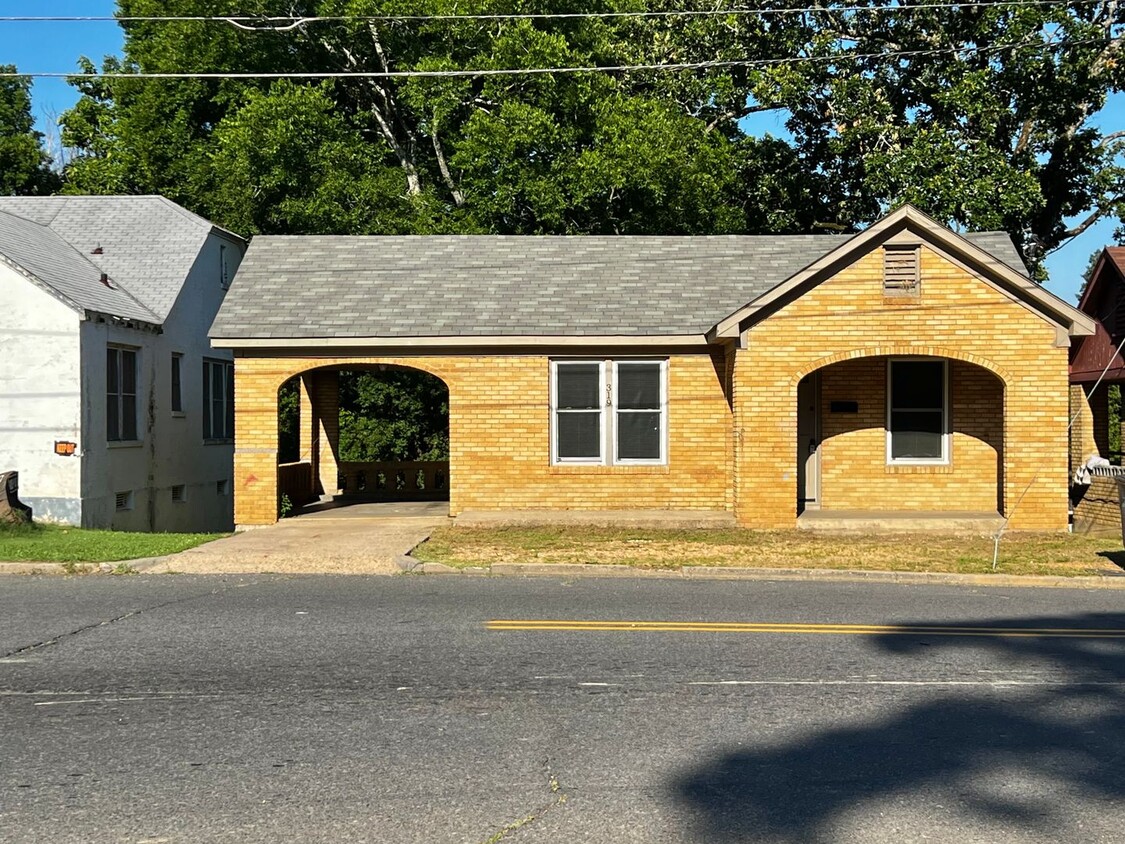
(301, 367)
(902, 351)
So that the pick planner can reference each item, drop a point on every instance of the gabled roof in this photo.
(148, 244)
(966, 248)
(510, 287)
(47, 260)
(1096, 358)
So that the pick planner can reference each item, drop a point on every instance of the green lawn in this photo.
(1020, 553)
(52, 544)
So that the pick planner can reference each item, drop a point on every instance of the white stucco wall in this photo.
(171, 450)
(39, 396)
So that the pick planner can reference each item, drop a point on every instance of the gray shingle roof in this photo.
(441, 286)
(148, 243)
(37, 250)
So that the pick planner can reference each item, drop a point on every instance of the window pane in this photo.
(128, 372)
(206, 400)
(638, 386)
(916, 383)
(177, 390)
(916, 435)
(128, 417)
(580, 436)
(638, 436)
(112, 418)
(111, 371)
(576, 386)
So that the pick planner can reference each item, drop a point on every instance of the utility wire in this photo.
(267, 22)
(531, 71)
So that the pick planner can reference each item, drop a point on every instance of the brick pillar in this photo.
(309, 425)
(325, 436)
(1082, 439)
(1036, 477)
(255, 452)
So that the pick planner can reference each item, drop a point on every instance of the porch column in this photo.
(1036, 477)
(255, 445)
(325, 436)
(765, 436)
(308, 449)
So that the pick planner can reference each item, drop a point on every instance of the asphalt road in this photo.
(335, 709)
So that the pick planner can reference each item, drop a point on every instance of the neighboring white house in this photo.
(114, 408)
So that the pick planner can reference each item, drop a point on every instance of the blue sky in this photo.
(49, 47)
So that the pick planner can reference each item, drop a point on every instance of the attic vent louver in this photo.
(901, 274)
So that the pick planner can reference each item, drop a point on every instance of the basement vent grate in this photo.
(222, 487)
(901, 274)
(124, 500)
(179, 493)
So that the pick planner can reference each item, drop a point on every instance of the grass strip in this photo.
(1056, 554)
(56, 544)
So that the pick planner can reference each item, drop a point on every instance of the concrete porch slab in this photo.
(890, 521)
(599, 518)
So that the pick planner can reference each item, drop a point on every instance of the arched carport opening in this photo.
(367, 432)
(921, 433)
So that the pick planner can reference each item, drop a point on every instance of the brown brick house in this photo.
(906, 368)
(1096, 370)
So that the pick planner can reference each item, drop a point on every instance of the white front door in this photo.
(808, 443)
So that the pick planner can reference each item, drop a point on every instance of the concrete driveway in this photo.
(332, 538)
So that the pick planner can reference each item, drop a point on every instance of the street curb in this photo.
(52, 569)
(411, 565)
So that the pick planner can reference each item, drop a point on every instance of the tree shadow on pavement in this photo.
(1067, 731)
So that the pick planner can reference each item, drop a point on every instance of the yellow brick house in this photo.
(767, 379)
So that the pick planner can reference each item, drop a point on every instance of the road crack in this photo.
(558, 797)
(46, 643)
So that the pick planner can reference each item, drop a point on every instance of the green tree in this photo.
(986, 119)
(25, 167)
(399, 414)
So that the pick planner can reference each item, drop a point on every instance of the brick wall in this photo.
(958, 316)
(854, 470)
(499, 426)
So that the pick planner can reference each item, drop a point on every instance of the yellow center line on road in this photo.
(798, 628)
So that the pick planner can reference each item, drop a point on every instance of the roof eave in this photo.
(467, 341)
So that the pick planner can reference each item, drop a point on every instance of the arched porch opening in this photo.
(900, 433)
(361, 433)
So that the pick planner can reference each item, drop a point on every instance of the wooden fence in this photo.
(295, 480)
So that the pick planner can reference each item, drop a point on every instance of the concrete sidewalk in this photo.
(354, 539)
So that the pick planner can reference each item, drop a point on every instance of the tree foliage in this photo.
(397, 414)
(983, 115)
(25, 168)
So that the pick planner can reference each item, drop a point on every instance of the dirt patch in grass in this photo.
(53, 544)
(1020, 553)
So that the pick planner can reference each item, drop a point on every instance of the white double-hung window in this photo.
(918, 411)
(609, 411)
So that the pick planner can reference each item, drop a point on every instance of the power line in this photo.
(531, 71)
(275, 22)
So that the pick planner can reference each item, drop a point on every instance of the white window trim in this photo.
(946, 436)
(577, 461)
(178, 414)
(663, 410)
(120, 394)
(607, 413)
(227, 367)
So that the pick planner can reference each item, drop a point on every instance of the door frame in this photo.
(805, 502)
